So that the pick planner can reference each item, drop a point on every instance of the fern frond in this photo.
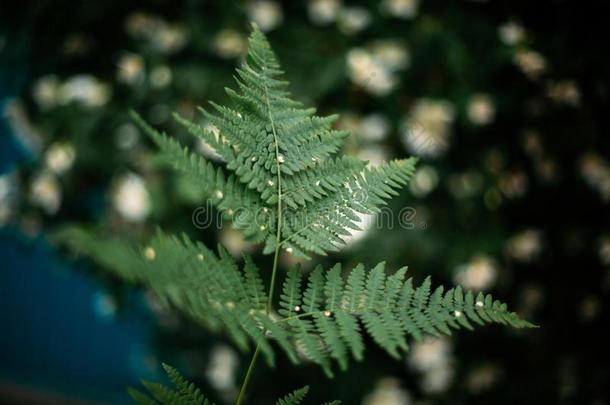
(389, 307)
(295, 397)
(280, 152)
(182, 393)
(243, 206)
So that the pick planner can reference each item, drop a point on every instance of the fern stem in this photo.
(278, 235)
(244, 386)
(278, 245)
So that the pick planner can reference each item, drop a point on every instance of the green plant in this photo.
(287, 191)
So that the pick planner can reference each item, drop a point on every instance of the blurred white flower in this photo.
(130, 68)
(323, 12)
(464, 185)
(392, 54)
(86, 90)
(514, 183)
(267, 14)
(375, 155)
(46, 91)
(525, 246)
(169, 38)
(433, 359)
(127, 136)
(565, 92)
(59, 157)
(511, 33)
(424, 181)
(235, 242)
(45, 192)
(430, 354)
(229, 43)
(160, 76)
(479, 274)
(221, 367)
(405, 9)
(8, 197)
(531, 63)
(388, 392)
(482, 378)
(157, 32)
(604, 251)
(369, 73)
(596, 172)
(353, 19)
(131, 198)
(373, 127)
(426, 129)
(481, 109)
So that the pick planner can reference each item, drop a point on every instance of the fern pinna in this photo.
(283, 186)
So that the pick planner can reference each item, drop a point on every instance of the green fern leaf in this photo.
(282, 159)
(295, 397)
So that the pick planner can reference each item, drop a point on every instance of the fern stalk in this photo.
(276, 255)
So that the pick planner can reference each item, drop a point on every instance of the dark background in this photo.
(68, 329)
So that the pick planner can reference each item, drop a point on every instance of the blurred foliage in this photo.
(504, 102)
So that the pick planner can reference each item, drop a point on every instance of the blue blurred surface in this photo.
(56, 333)
(53, 338)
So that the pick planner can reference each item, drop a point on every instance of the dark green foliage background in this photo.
(455, 52)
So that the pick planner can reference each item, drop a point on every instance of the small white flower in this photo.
(479, 304)
(45, 192)
(149, 253)
(525, 246)
(280, 158)
(323, 12)
(270, 183)
(130, 69)
(229, 44)
(59, 157)
(219, 194)
(424, 181)
(481, 109)
(531, 63)
(427, 129)
(85, 90)
(480, 273)
(297, 308)
(200, 257)
(222, 367)
(127, 136)
(373, 127)
(457, 314)
(289, 250)
(327, 313)
(131, 198)
(353, 19)
(317, 182)
(406, 9)
(267, 14)
(160, 76)
(388, 392)
(46, 91)
(511, 33)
